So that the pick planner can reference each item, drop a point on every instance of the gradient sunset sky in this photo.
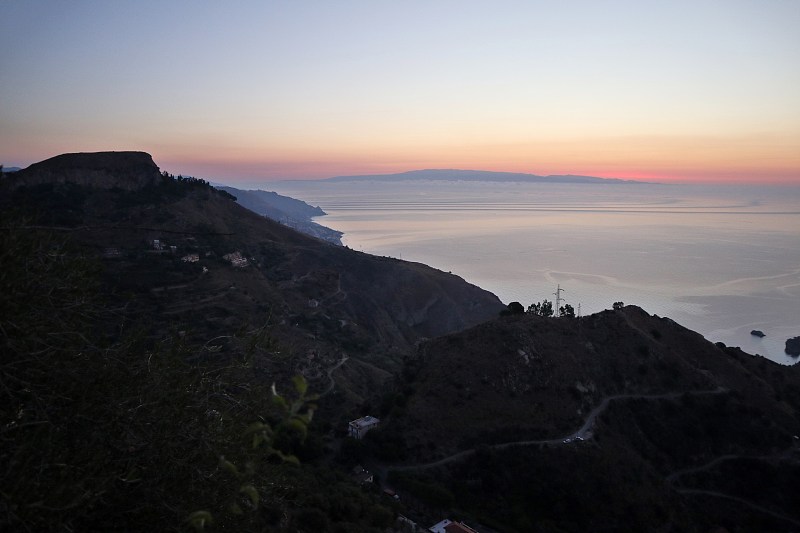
(245, 92)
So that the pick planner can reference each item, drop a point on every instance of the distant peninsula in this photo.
(288, 211)
(477, 175)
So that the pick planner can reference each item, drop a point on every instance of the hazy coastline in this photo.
(719, 260)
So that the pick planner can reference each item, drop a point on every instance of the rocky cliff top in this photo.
(103, 170)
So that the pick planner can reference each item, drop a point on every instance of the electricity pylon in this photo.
(557, 294)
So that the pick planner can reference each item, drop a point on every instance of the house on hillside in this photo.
(362, 476)
(358, 428)
(236, 259)
(405, 525)
(191, 258)
(448, 526)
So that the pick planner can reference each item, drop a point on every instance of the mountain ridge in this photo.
(127, 170)
(88, 190)
(478, 175)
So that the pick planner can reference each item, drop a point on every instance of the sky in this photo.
(250, 91)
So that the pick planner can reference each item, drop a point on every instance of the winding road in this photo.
(673, 477)
(330, 372)
(583, 433)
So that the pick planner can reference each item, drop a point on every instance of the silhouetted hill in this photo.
(329, 299)
(477, 175)
(105, 170)
(148, 324)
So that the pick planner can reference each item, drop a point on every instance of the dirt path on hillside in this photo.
(747, 503)
(585, 432)
(330, 372)
(673, 477)
(582, 434)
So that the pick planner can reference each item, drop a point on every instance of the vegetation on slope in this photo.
(599, 423)
(138, 355)
(109, 430)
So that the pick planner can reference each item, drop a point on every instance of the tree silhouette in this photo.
(543, 308)
(515, 308)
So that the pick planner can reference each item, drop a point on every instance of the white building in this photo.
(236, 259)
(358, 428)
(439, 528)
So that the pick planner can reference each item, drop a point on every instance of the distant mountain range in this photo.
(477, 175)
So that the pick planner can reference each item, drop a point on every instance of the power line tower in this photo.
(557, 294)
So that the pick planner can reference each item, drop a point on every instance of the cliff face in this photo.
(129, 171)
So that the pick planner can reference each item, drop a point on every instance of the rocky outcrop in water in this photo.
(793, 346)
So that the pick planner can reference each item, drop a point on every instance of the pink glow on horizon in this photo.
(256, 172)
(704, 92)
(243, 168)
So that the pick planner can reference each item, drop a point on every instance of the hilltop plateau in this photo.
(106, 170)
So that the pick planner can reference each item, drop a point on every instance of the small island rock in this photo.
(757, 333)
(793, 346)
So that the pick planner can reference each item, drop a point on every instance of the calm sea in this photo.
(721, 261)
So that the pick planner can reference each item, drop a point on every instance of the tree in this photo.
(515, 308)
(544, 308)
(567, 311)
(617, 306)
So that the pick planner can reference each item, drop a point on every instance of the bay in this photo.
(720, 260)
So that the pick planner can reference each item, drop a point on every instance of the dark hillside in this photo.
(616, 421)
(106, 170)
(391, 302)
(144, 321)
(218, 267)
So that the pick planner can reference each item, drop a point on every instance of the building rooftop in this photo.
(458, 527)
(365, 421)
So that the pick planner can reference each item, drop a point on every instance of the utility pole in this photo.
(557, 294)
